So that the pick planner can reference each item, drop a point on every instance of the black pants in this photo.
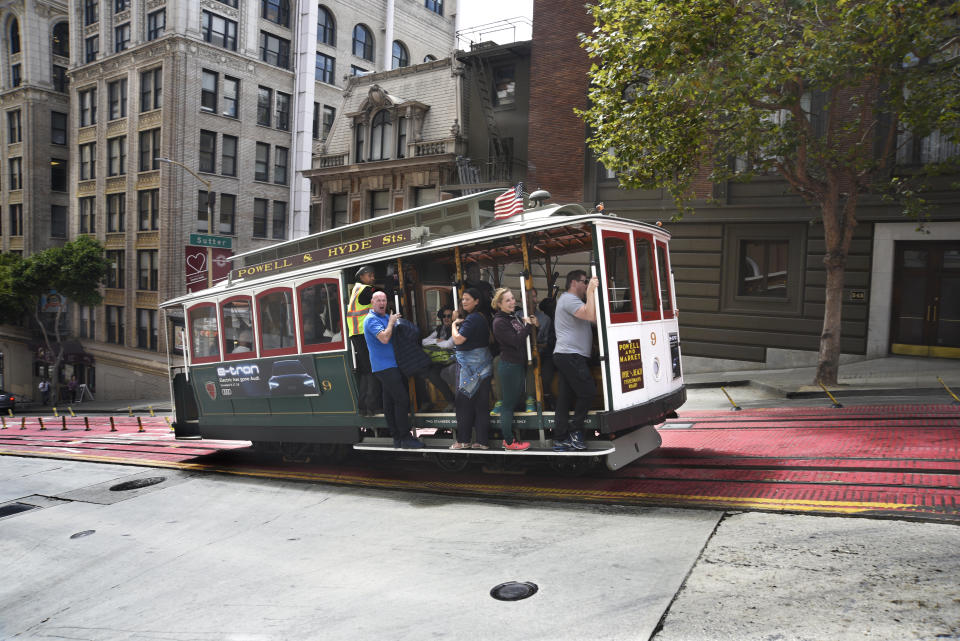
(576, 385)
(396, 402)
(368, 386)
(474, 413)
(547, 370)
(432, 374)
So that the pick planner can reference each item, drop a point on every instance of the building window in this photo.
(205, 205)
(149, 149)
(424, 196)
(329, 114)
(229, 3)
(316, 121)
(358, 141)
(148, 209)
(91, 11)
(121, 37)
(58, 221)
(116, 212)
(120, 5)
(261, 167)
(115, 329)
(16, 220)
(381, 135)
(228, 213)
(264, 106)
(208, 91)
(921, 150)
(274, 51)
(59, 76)
(88, 107)
(15, 166)
(147, 269)
(58, 174)
(88, 161)
(326, 27)
(15, 78)
(401, 57)
(231, 97)
(277, 11)
(58, 128)
(764, 265)
(88, 215)
(401, 137)
(283, 111)
(147, 329)
(208, 151)
(338, 211)
(117, 156)
(379, 203)
(228, 156)
(156, 24)
(429, 57)
(504, 86)
(280, 162)
(325, 69)
(14, 127)
(219, 31)
(363, 42)
(117, 98)
(88, 322)
(358, 71)
(118, 268)
(434, 5)
(260, 207)
(279, 220)
(151, 84)
(91, 47)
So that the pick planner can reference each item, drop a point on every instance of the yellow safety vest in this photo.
(356, 313)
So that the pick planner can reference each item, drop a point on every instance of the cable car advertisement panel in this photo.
(638, 349)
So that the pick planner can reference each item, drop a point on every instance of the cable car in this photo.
(266, 359)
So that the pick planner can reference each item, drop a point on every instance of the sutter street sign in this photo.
(205, 240)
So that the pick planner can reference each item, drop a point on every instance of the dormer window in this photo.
(381, 135)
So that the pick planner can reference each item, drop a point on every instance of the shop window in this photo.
(321, 323)
(275, 321)
(204, 335)
(763, 268)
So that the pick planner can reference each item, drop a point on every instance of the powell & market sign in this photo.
(328, 253)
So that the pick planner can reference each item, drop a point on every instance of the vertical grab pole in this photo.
(457, 288)
(402, 298)
(603, 348)
(537, 383)
(523, 296)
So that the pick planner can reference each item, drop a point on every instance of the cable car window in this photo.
(619, 277)
(236, 319)
(666, 300)
(275, 318)
(321, 323)
(646, 278)
(204, 336)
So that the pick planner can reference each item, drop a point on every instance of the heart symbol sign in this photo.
(197, 263)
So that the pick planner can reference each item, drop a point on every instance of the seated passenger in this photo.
(472, 338)
(573, 324)
(244, 342)
(511, 334)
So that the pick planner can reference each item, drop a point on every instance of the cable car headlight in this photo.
(273, 384)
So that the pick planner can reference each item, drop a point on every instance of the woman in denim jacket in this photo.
(471, 335)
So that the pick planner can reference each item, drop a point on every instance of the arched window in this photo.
(381, 134)
(61, 39)
(429, 57)
(14, 36)
(401, 57)
(326, 27)
(363, 42)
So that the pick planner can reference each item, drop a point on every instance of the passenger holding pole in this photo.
(573, 324)
(378, 330)
(471, 335)
(511, 334)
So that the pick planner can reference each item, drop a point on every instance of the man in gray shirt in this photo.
(573, 323)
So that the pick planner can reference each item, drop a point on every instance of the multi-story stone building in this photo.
(34, 153)
(173, 101)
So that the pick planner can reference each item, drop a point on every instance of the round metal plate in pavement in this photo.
(136, 484)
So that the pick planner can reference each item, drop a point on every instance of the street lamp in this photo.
(211, 197)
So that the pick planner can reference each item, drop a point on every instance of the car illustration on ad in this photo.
(289, 378)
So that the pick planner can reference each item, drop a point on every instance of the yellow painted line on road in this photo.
(512, 491)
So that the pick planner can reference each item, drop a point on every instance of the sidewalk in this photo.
(138, 406)
(894, 374)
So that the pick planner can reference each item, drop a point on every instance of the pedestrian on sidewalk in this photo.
(44, 388)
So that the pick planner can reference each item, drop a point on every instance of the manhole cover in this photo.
(136, 484)
(80, 535)
(514, 591)
(14, 508)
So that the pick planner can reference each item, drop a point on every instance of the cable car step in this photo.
(533, 451)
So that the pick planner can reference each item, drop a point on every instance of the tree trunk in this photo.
(828, 365)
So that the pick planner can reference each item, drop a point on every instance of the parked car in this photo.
(7, 402)
(290, 378)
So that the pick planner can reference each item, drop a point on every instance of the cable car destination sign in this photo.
(326, 254)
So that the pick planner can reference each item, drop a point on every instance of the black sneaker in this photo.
(576, 440)
(410, 443)
(563, 445)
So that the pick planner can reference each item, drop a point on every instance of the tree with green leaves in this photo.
(824, 93)
(74, 271)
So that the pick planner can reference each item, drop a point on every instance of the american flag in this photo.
(509, 203)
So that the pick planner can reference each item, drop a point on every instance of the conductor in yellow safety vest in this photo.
(357, 309)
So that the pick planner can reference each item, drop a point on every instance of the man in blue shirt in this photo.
(378, 330)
